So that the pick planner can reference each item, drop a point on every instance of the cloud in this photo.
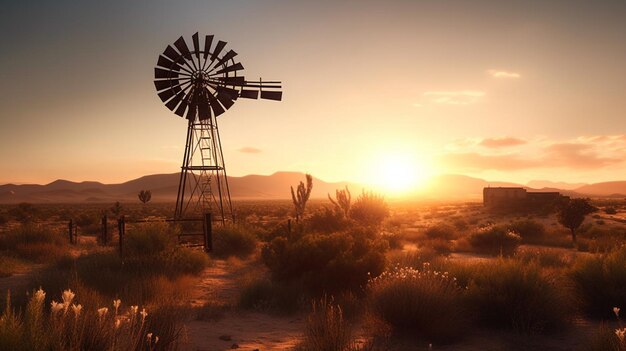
(249, 150)
(583, 153)
(462, 97)
(495, 143)
(503, 74)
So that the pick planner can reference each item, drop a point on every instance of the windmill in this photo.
(199, 84)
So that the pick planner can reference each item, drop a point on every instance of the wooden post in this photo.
(104, 230)
(289, 226)
(70, 230)
(208, 233)
(121, 228)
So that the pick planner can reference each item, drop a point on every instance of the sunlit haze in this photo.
(387, 93)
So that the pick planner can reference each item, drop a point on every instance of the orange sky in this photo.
(510, 91)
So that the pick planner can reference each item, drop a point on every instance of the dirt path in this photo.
(241, 329)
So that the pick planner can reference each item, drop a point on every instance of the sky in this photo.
(500, 90)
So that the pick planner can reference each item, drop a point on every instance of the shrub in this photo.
(327, 220)
(424, 303)
(327, 262)
(149, 240)
(326, 329)
(494, 240)
(518, 296)
(600, 282)
(530, 231)
(441, 231)
(35, 243)
(610, 210)
(369, 209)
(233, 240)
(265, 295)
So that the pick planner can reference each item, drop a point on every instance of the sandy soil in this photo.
(245, 330)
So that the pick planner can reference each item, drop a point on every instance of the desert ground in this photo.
(382, 275)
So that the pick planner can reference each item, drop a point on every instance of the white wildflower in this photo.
(102, 312)
(40, 295)
(620, 334)
(133, 309)
(55, 307)
(117, 323)
(616, 311)
(76, 309)
(143, 314)
(116, 304)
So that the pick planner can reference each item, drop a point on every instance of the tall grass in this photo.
(66, 325)
(519, 296)
(424, 302)
(34, 243)
(600, 282)
(234, 240)
(326, 329)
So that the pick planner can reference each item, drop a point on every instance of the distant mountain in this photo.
(540, 184)
(164, 188)
(276, 186)
(612, 189)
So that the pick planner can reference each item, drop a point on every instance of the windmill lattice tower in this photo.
(200, 84)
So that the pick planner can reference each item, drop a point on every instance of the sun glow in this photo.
(398, 174)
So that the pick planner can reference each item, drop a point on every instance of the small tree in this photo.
(145, 196)
(342, 204)
(572, 213)
(301, 196)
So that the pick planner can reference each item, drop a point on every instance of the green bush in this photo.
(425, 303)
(233, 240)
(494, 240)
(600, 282)
(530, 231)
(369, 209)
(518, 296)
(327, 262)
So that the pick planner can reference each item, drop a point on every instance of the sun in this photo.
(399, 174)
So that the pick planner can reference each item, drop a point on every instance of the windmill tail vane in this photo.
(200, 83)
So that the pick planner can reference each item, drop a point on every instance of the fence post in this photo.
(104, 230)
(121, 228)
(70, 230)
(208, 233)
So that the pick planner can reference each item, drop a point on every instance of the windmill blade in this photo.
(191, 112)
(181, 108)
(196, 45)
(229, 55)
(181, 45)
(165, 84)
(175, 100)
(204, 112)
(166, 94)
(218, 48)
(160, 73)
(237, 66)
(215, 105)
(208, 40)
(171, 53)
(272, 95)
(249, 94)
(166, 63)
(225, 100)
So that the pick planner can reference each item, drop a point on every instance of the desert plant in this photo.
(23, 212)
(327, 262)
(530, 231)
(606, 339)
(610, 210)
(326, 329)
(117, 208)
(327, 220)
(571, 214)
(233, 240)
(369, 209)
(343, 201)
(494, 240)
(441, 231)
(519, 296)
(301, 196)
(600, 282)
(144, 196)
(422, 302)
(35, 243)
